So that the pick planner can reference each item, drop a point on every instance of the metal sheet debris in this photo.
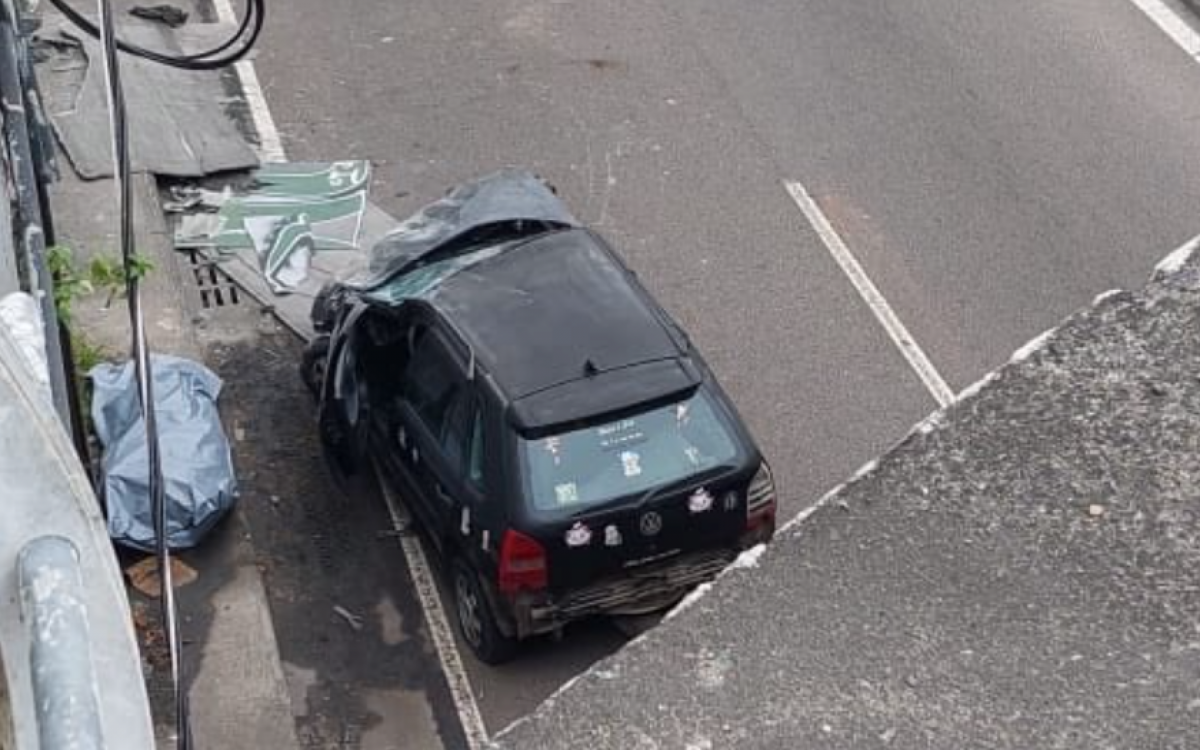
(197, 466)
(175, 129)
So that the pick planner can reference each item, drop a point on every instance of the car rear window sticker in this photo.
(631, 464)
(566, 493)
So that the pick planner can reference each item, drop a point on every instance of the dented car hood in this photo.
(513, 200)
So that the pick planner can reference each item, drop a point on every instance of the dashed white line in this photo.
(270, 145)
(1172, 25)
(435, 616)
(875, 300)
(270, 149)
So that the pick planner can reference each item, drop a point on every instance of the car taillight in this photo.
(522, 564)
(760, 499)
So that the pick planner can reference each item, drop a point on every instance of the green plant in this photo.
(69, 284)
(108, 273)
(105, 272)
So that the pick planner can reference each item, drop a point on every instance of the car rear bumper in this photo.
(638, 591)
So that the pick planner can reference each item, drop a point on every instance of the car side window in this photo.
(462, 438)
(431, 383)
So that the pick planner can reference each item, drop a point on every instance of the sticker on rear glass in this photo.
(612, 536)
(693, 454)
(578, 535)
(700, 501)
(553, 445)
(617, 434)
(631, 463)
(681, 414)
(566, 493)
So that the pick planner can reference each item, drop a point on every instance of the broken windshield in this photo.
(582, 468)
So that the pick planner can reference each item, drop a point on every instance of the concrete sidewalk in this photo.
(238, 693)
(1020, 572)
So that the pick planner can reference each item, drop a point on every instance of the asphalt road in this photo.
(992, 166)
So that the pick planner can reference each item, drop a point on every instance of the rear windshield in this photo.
(586, 467)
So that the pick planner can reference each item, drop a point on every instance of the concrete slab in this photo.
(1020, 571)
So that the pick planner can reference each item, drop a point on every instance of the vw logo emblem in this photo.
(650, 524)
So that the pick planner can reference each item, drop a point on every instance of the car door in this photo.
(466, 475)
(432, 382)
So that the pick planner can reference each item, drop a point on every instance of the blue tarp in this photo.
(197, 466)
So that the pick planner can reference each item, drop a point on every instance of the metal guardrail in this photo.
(65, 623)
(62, 672)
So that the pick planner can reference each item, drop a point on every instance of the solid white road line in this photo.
(871, 295)
(270, 145)
(270, 149)
(435, 617)
(1172, 24)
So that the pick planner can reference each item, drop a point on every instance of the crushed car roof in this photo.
(540, 314)
(553, 310)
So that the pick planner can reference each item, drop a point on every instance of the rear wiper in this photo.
(612, 504)
(703, 476)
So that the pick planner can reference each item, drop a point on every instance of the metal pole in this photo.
(65, 689)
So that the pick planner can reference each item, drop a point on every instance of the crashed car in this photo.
(554, 433)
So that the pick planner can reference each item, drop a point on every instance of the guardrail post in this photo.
(65, 688)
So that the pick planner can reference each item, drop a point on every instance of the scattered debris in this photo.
(143, 575)
(351, 619)
(174, 128)
(164, 14)
(1095, 510)
(291, 212)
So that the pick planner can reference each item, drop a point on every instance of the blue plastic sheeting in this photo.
(198, 478)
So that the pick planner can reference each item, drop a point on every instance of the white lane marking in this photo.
(270, 149)
(270, 145)
(439, 626)
(1172, 25)
(871, 295)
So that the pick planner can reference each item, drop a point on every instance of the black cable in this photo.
(142, 364)
(253, 19)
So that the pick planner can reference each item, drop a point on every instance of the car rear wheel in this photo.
(476, 622)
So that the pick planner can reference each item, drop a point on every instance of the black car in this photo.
(560, 441)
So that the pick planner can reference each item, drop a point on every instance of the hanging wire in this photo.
(212, 59)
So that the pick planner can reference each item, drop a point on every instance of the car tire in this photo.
(313, 362)
(476, 621)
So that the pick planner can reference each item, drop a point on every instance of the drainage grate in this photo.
(216, 288)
